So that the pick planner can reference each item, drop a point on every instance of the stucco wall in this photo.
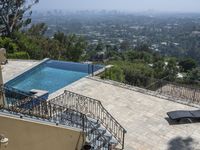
(27, 135)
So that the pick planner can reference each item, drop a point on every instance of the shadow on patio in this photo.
(180, 143)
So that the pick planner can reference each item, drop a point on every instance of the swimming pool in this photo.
(51, 76)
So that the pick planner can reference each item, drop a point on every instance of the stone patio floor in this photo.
(15, 67)
(143, 116)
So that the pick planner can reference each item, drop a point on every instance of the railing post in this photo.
(161, 86)
(110, 74)
(194, 95)
(92, 69)
(88, 68)
(83, 121)
(123, 139)
(50, 110)
(105, 74)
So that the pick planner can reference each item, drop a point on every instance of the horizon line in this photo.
(116, 10)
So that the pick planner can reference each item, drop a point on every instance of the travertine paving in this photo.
(143, 116)
(15, 67)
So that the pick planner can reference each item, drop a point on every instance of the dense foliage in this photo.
(142, 68)
(138, 65)
(19, 55)
(37, 46)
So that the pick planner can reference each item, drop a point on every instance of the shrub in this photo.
(115, 73)
(8, 44)
(18, 55)
(188, 64)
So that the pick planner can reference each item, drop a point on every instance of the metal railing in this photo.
(93, 68)
(51, 112)
(93, 109)
(21, 103)
(176, 90)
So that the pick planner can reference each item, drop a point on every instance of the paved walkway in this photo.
(142, 115)
(15, 67)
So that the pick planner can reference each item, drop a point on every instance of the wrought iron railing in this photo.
(55, 113)
(33, 106)
(175, 90)
(93, 109)
(94, 68)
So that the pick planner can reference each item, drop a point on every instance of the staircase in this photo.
(93, 109)
(102, 131)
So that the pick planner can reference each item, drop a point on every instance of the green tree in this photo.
(61, 37)
(187, 64)
(37, 29)
(143, 47)
(99, 47)
(125, 45)
(29, 44)
(115, 73)
(8, 44)
(75, 48)
(159, 67)
(12, 15)
(138, 56)
(72, 46)
(194, 74)
(137, 74)
(171, 69)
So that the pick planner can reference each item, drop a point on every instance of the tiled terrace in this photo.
(15, 67)
(143, 116)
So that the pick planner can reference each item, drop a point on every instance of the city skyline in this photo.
(122, 5)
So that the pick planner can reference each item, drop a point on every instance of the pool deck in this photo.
(15, 67)
(142, 115)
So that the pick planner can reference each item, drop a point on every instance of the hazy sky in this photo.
(123, 5)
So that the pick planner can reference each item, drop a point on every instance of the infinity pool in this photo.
(50, 76)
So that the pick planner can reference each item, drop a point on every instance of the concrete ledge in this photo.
(28, 60)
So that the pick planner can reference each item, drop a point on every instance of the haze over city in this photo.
(122, 5)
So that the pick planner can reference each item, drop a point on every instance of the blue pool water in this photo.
(47, 78)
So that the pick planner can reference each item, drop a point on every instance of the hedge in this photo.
(18, 55)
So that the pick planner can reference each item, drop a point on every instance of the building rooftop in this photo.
(143, 116)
